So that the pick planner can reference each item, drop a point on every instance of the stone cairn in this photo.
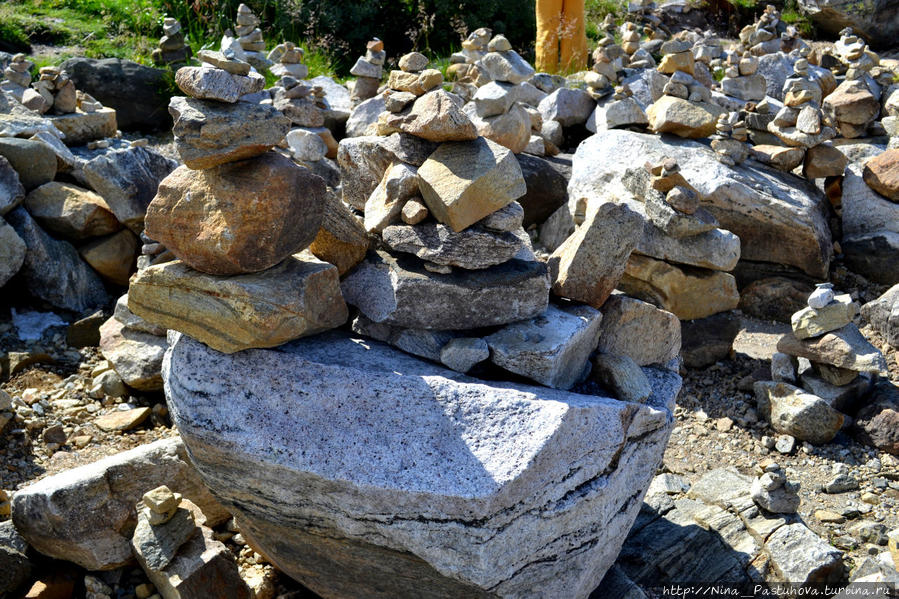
(463, 70)
(53, 90)
(730, 139)
(763, 36)
(249, 39)
(854, 106)
(252, 212)
(773, 493)
(178, 552)
(497, 114)
(172, 48)
(677, 221)
(823, 370)
(368, 71)
(289, 61)
(742, 80)
(622, 111)
(18, 76)
(404, 87)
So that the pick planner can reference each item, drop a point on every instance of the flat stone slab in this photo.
(362, 471)
(82, 127)
(397, 290)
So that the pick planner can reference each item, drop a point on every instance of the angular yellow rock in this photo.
(689, 293)
(299, 297)
(809, 322)
(462, 182)
(682, 117)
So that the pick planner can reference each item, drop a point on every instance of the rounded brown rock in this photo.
(238, 217)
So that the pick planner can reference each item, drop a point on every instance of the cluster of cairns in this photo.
(368, 71)
(249, 41)
(173, 49)
(251, 213)
(823, 370)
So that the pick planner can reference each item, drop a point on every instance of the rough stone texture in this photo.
(870, 229)
(238, 217)
(552, 348)
(203, 567)
(298, 297)
(800, 556)
(127, 180)
(134, 322)
(435, 116)
(778, 217)
(53, 271)
(462, 182)
(810, 322)
(688, 293)
(882, 314)
(845, 348)
(33, 161)
(156, 545)
(385, 204)
(622, 376)
(567, 106)
(716, 249)
(881, 173)
(511, 129)
(683, 118)
(210, 83)
(11, 190)
(397, 290)
(824, 160)
(706, 340)
(780, 157)
(774, 298)
(136, 92)
(792, 411)
(418, 342)
(506, 66)
(547, 186)
(82, 127)
(135, 355)
(342, 239)
(877, 21)
(210, 133)
(15, 567)
(12, 252)
(589, 264)
(639, 330)
(521, 473)
(877, 423)
(364, 115)
(86, 515)
(473, 248)
(674, 223)
(851, 107)
(71, 212)
(112, 256)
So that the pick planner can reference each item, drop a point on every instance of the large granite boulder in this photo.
(779, 217)
(138, 93)
(393, 477)
(876, 20)
(870, 229)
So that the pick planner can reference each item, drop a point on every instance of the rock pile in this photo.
(251, 212)
(172, 50)
(773, 493)
(368, 71)
(742, 79)
(824, 371)
(17, 76)
(177, 550)
(289, 59)
(249, 44)
(463, 70)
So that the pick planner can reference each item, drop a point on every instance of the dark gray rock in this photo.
(706, 340)
(15, 567)
(472, 248)
(139, 94)
(127, 180)
(34, 162)
(547, 184)
(399, 291)
(53, 271)
(11, 190)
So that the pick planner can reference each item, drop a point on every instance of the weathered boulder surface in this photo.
(127, 179)
(52, 269)
(12, 252)
(883, 315)
(870, 229)
(877, 20)
(778, 217)
(86, 515)
(493, 490)
(238, 217)
(397, 290)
